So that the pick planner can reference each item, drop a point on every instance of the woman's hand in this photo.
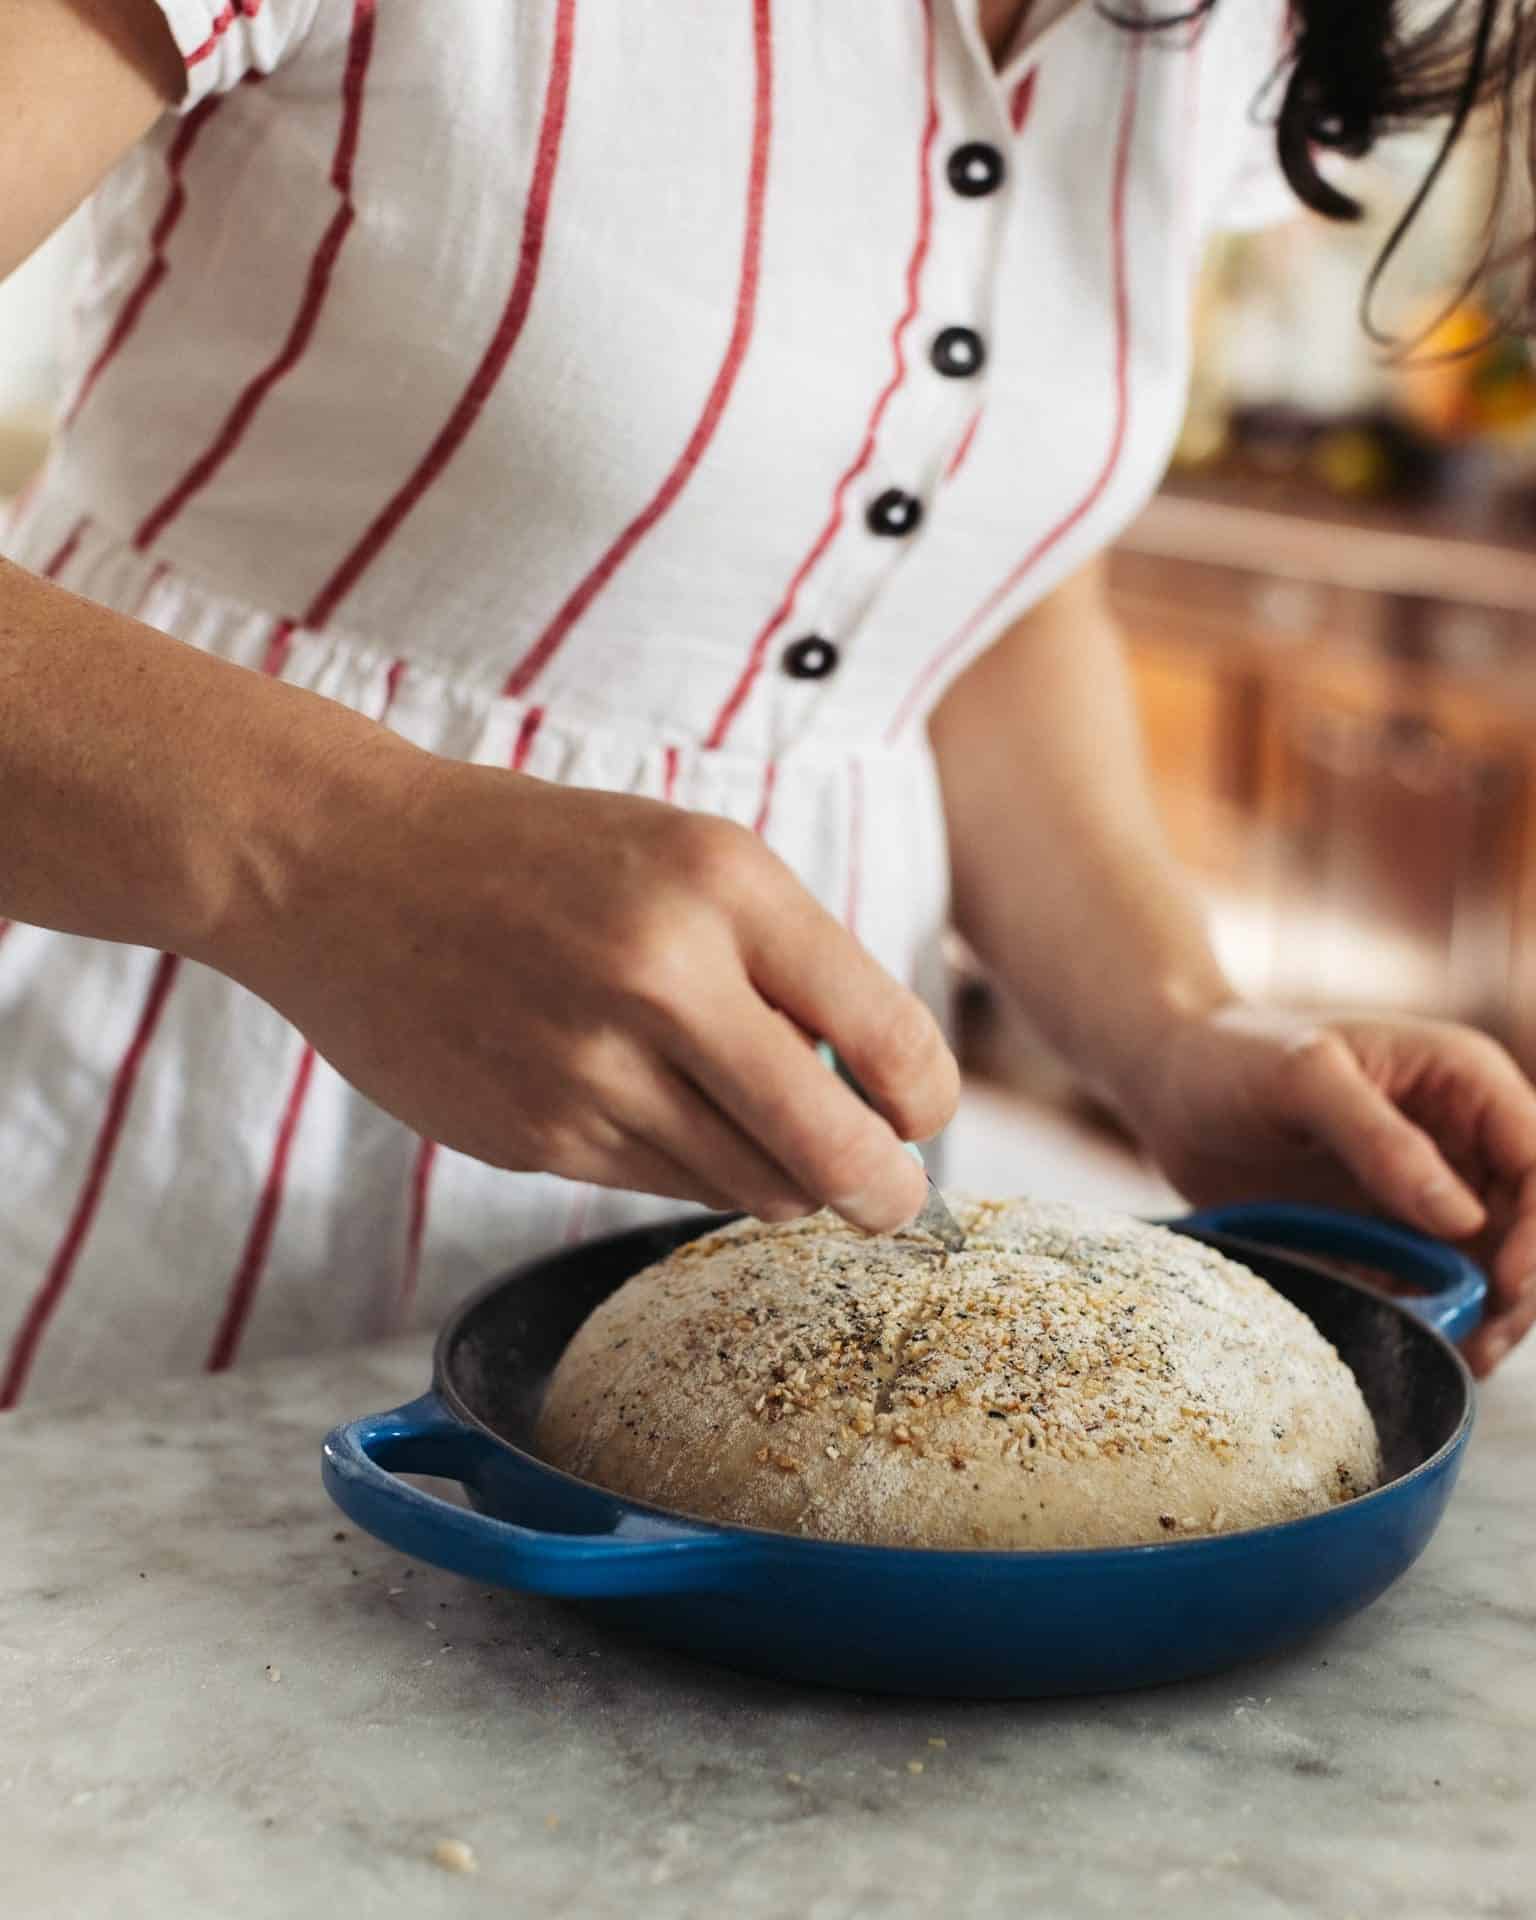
(1432, 1123)
(591, 985)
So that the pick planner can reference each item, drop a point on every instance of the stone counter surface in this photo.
(213, 1707)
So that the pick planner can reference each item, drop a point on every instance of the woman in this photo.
(569, 556)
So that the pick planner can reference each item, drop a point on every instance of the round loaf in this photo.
(1069, 1380)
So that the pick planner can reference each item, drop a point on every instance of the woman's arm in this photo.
(80, 82)
(1063, 882)
(574, 982)
(1067, 891)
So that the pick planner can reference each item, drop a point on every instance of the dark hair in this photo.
(1355, 70)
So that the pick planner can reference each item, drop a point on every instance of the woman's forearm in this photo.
(149, 792)
(1064, 884)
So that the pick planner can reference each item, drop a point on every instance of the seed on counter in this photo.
(794, 1779)
(392, 1591)
(340, 1534)
(430, 1625)
(551, 1820)
(935, 1741)
(455, 1856)
(914, 1766)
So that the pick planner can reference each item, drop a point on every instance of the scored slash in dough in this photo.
(1070, 1379)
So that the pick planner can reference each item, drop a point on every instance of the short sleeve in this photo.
(223, 42)
(1243, 49)
(1257, 193)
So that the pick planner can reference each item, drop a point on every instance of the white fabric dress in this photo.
(669, 396)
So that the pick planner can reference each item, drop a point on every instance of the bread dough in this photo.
(1069, 1380)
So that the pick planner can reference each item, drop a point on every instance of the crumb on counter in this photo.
(455, 1856)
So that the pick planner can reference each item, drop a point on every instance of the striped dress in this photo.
(666, 396)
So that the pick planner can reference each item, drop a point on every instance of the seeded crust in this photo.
(1070, 1379)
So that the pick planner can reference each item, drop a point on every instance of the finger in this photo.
(752, 1064)
(1507, 1134)
(1507, 1119)
(1395, 1161)
(635, 1165)
(803, 961)
(692, 1131)
(1514, 1266)
(1489, 1345)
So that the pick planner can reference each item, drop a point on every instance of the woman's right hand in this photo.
(593, 985)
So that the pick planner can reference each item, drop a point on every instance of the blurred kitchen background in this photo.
(1332, 613)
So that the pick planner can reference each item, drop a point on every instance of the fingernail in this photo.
(877, 1209)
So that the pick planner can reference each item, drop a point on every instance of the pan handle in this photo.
(640, 1554)
(1454, 1286)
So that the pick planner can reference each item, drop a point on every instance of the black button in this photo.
(810, 659)
(958, 352)
(975, 169)
(894, 512)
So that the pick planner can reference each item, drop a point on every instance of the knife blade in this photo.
(935, 1218)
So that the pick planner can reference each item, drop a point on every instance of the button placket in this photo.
(947, 355)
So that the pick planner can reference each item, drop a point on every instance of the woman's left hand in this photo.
(1431, 1123)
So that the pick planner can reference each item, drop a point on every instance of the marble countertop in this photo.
(219, 1700)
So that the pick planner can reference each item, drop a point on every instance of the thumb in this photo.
(1396, 1162)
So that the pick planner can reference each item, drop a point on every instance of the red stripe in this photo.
(855, 844)
(958, 457)
(316, 286)
(278, 642)
(527, 733)
(45, 1304)
(824, 539)
(421, 1181)
(671, 759)
(66, 553)
(1022, 100)
(132, 309)
(242, 1292)
(258, 1241)
(1054, 535)
(481, 385)
(765, 805)
(551, 639)
(237, 9)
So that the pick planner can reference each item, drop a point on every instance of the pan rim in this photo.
(1237, 1539)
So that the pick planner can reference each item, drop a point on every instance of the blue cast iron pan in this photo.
(914, 1620)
